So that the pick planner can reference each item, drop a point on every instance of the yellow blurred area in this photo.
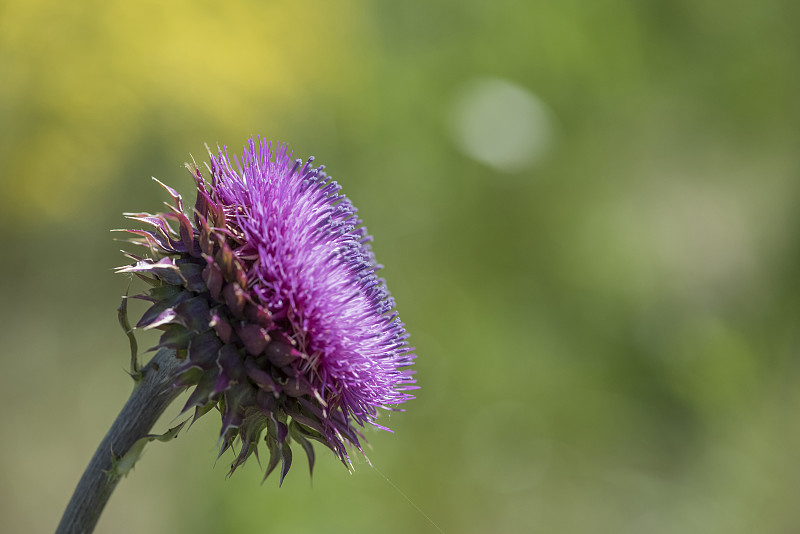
(80, 80)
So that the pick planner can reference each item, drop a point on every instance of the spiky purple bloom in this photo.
(270, 293)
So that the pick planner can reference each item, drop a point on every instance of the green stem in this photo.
(149, 399)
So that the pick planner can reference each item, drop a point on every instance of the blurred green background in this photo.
(587, 213)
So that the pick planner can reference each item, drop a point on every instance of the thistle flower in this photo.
(268, 292)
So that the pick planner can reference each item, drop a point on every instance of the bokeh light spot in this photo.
(500, 124)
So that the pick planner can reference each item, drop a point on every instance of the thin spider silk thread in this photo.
(407, 498)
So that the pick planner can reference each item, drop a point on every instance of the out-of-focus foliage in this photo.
(606, 324)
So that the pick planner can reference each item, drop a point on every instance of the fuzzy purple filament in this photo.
(314, 266)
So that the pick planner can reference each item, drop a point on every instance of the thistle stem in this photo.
(150, 398)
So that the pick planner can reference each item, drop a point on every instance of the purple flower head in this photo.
(270, 294)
